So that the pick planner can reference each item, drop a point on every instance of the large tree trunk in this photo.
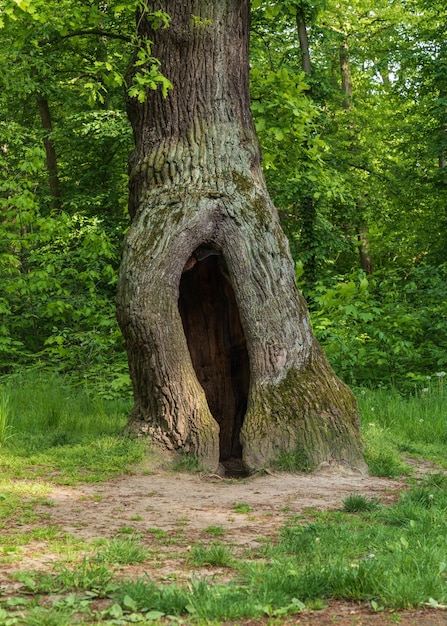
(221, 354)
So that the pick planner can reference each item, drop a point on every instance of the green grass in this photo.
(187, 463)
(4, 416)
(215, 554)
(356, 503)
(294, 461)
(55, 428)
(124, 551)
(391, 556)
(395, 426)
(89, 575)
(242, 507)
(214, 531)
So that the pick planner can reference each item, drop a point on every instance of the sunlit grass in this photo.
(395, 426)
(63, 433)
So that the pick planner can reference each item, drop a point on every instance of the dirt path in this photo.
(172, 511)
(169, 500)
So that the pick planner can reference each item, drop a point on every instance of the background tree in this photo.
(64, 137)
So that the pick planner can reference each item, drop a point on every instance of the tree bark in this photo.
(365, 258)
(307, 209)
(221, 354)
(50, 150)
(345, 72)
(304, 41)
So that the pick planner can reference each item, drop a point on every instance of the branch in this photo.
(364, 168)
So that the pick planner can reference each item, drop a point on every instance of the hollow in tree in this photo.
(221, 354)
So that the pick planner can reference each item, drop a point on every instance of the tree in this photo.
(222, 357)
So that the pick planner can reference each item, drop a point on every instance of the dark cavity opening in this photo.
(216, 343)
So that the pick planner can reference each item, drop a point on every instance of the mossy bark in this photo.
(197, 193)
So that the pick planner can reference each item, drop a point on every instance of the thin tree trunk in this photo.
(50, 150)
(221, 354)
(365, 258)
(308, 240)
(345, 72)
(304, 41)
(308, 210)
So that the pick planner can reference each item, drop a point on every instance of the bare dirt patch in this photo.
(168, 500)
(172, 511)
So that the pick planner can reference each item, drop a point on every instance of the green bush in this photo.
(386, 329)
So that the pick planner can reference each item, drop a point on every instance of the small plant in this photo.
(169, 599)
(216, 554)
(40, 616)
(293, 461)
(85, 576)
(126, 530)
(242, 507)
(214, 531)
(158, 532)
(356, 503)
(123, 552)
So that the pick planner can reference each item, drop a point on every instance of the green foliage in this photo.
(334, 171)
(57, 276)
(386, 328)
(62, 221)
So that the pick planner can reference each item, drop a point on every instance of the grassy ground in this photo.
(386, 555)
(394, 425)
(48, 426)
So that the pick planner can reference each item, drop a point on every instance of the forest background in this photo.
(349, 101)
